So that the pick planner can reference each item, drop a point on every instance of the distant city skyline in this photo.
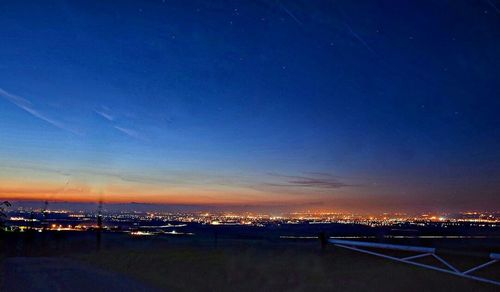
(366, 106)
(272, 210)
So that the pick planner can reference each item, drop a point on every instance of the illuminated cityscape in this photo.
(242, 146)
(64, 220)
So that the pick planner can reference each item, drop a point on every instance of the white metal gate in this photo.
(423, 252)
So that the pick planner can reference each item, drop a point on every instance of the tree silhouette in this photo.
(99, 226)
(3, 213)
(44, 213)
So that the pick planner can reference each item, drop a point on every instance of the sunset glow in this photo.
(314, 107)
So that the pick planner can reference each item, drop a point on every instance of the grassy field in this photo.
(1, 271)
(274, 269)
(180, 264)
(2, 267)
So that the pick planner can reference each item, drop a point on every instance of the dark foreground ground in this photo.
(146, 264)
(26, 274)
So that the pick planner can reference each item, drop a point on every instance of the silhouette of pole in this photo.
(44, 213)
(323, 239)
(32, 220)
(216, 237)
(99, 226)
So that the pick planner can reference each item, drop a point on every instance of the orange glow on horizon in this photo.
(81, 192)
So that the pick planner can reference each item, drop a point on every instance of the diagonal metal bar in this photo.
(417, 256)
(446, 263)
(480, 266)
(384, 245)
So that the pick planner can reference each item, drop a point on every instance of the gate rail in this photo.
(423, 252)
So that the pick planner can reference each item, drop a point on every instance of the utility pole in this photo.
(99, 226)
(44, 213)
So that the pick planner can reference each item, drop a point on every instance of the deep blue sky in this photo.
(342, 105)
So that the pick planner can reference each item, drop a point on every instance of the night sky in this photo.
(363, 106)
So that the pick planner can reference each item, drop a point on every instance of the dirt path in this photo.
(58, 274)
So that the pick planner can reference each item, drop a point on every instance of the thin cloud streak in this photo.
(291, 14)
(69, 172)
(359, 38)
(27, 106)
(309, 182)
(171, 178)
(493, 6)
(129, 132)
(108, 115)
(105, 115)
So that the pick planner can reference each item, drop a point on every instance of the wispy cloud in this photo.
(105, 115)
(110, 116)
(129, 132)
(167, 178)
(290, 14)
(493, 6)
(359, 38)
(27, 106)
(67, 173)
(323, 182)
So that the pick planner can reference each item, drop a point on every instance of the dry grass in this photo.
(288, 269)
(2, 270)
